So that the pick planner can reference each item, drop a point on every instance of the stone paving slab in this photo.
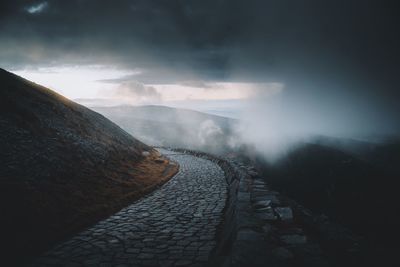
(174, 226)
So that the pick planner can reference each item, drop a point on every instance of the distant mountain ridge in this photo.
(167, 126)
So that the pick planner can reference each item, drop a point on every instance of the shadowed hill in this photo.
(63, 166)
(354, 183)
(166, 126)
(338, 183)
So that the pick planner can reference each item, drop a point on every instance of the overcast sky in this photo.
(332, 58)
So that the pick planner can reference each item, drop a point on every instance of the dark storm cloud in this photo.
(210, 37)
(177, 34)
(335, 53)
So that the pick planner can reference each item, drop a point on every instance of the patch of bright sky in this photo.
(216, 91)
(86, 85)
(232, 98)
(37, 8)
(75, 82)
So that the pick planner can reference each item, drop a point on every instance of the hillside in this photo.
(166, 126)
(63, 166)
(358, 190)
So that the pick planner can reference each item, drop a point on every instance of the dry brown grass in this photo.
(63, 167)
(42, 217)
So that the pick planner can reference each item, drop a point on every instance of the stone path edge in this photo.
(227, 230)
(126, 202)
(276, 245)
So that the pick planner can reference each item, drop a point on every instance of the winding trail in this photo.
(173, 226)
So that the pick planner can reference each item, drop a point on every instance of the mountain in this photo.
(166, 126)
(63, 166)
(354, 183)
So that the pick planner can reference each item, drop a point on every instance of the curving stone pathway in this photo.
(174, 226)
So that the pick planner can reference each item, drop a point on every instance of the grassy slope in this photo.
(63, 166)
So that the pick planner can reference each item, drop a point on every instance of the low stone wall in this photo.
(228, 230)
(262, 226)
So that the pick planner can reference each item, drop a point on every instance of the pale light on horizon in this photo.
(98, 85)
(74, 82)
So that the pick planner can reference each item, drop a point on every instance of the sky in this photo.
(323, 66)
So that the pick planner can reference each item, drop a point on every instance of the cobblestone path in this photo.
(173, 226)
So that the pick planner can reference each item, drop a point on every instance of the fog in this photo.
(177, 128)
(276, 124)
(272, 119)
(337, 63)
